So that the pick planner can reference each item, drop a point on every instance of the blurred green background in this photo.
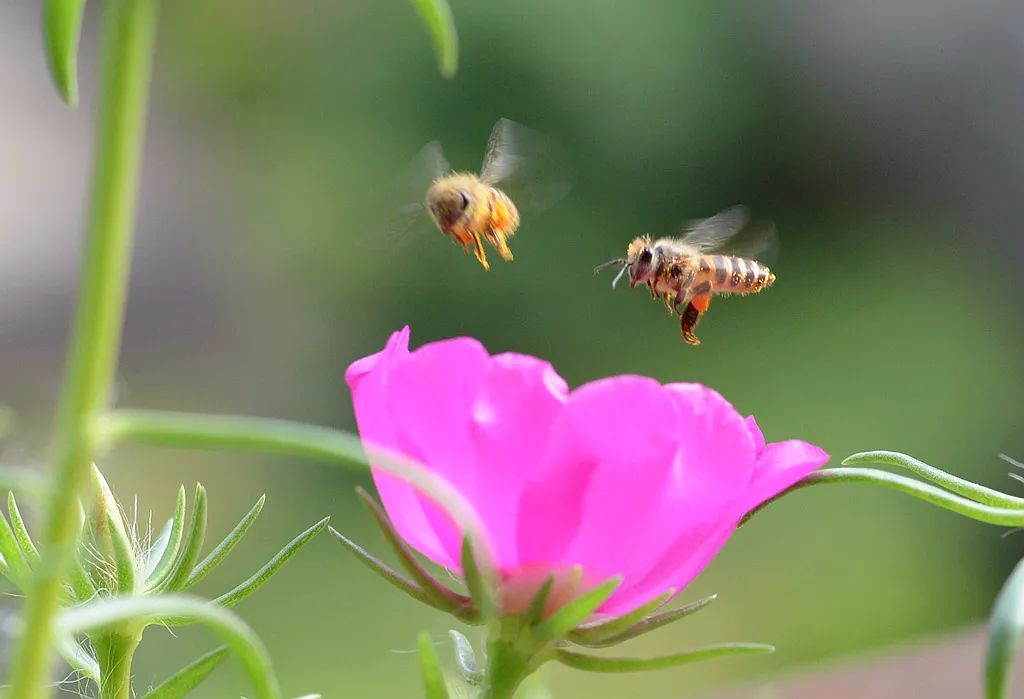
(880, 138)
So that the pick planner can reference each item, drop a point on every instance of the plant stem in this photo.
(115, 651)
(506, 670)
(999, 516)
(128, 33)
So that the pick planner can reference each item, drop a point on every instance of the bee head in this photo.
(640, 260)
(448, 204)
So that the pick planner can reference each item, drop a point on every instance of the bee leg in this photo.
(668, 304)
(650, 288)
(497, 239)
(691, 316)
(478, 251)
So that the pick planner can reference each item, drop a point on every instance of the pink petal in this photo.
(683, 562)
(755, 434)
(430, 399)
(716, 454)
(780, 465)
(512, 416)
(368, 380)
(595, 499)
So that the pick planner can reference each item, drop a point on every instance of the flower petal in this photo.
(512, 416)
(430, 397)
(780, 465)
(595, 500)
(368, 380)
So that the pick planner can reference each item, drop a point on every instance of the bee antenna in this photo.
(610, 263)
(619, 275)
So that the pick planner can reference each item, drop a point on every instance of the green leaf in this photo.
(124, 558)
(575, 612)
(479, 582)
(588, 633)
(255, 582)
(28, 548)
(382, 569)
(960, 486)
(1004, 634)
(438, 19)
(17, 567)
(77, 658)
(62, 27)
(106, 614)
(184, 564)
(535, 610)
(188, 678)
(465, 657)
(222, 549)
(111, 535)
(645, 625)
(443, 598)
(433, 678)
(172, 545)
(595, 663)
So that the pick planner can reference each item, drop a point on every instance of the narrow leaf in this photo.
(586, 633)
(382, 569)
(433, 678)
(184, 564)
(222, 549)
(646, 625)
(437, 16)
(124, 558)
(444, 598)
(466, 658)
(28, 549)
(170, 551)
(77, 658)
(481, 588)
(62, 27)
(233, 597)
(535, 611)
(156, 550)
(954, 484)
(189, 677)
(595, 663)
(105, 614)
(1004, 634)
(575, 612)
(17, 567)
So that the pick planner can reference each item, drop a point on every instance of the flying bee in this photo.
(469, 208)
(687, 271)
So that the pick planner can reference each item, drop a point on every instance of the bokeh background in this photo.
(881, 137)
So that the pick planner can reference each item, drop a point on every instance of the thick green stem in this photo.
(115, 651)
(507, 667)
(127, 34)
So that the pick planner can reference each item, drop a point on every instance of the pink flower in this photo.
(623, 476)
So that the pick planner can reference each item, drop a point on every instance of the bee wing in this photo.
(713, 233)
(406, 211)
(527, 165)
(732, 232)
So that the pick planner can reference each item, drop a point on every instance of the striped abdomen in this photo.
(726, 274)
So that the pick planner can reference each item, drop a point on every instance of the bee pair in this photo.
(685, 271)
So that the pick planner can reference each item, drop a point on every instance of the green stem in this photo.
(232, 432)
(115, 651)
(128, 35)
(242, 433)
(507, 666)
(999, 516)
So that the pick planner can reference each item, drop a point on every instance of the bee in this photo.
(687, 271)
(469, 208)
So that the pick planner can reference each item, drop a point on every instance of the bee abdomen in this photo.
(738, 275)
